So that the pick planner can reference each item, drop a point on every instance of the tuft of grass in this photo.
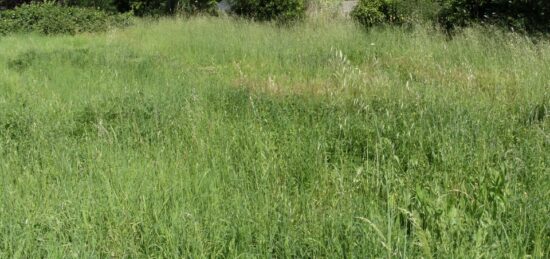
(213, 137)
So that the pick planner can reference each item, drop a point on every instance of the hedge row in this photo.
(74, 16)
(257, 9)
(139, 7)
(531, 16)
(50, 18)
(520, 15)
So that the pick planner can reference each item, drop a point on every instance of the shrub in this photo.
(9, 4)
(395, 12)
(147, 7)
(519, 15)
(164, 7)
(50, 18)
(200, 6)
(106, 5)
(263, 10)
(376, 12)
(138, 7)
(369, 13)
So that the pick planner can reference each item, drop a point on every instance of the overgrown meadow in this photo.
(216, 137)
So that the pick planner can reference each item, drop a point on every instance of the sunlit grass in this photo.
(215, 137)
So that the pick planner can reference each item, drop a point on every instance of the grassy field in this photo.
(222, 138)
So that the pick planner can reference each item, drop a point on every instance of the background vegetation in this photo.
(54, 19)
(531, 17)
(138, 7)
(281, 10)
(523, 16)
(213, 137)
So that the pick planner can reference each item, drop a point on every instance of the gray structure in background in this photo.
(347, 7)
(224, 6)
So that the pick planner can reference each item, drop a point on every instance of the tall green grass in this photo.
(223, 138)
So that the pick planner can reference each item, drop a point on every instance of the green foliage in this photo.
(138, 7)
(200, 6)
(394, 12)
(263, 10)
(106, 5)
(9, 4)
(151, 7)
(520, 15)
(54, 19)
(222, 138)
(517, 15)
(166, 7)
(100, 4)
(370, 12)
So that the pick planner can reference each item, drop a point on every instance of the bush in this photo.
(395, 12)
(165, 7)
(9, 4)
(54, 19)
(520, 15)
(369, 13)
(264, 10)
(376, 12)
(138, 7)
(105, 5)
(532, 16)
(200, 6)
